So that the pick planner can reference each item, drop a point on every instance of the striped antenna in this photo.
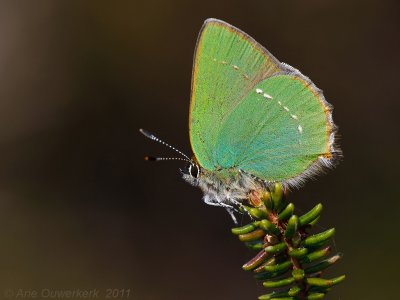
(154, 138)
(152, 158)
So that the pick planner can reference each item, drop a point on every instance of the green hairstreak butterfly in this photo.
(254, 121)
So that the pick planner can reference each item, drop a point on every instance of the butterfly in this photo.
(254, 121)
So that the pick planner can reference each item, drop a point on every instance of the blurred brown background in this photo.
(79, 208)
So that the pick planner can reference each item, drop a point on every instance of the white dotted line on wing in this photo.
(264, 94)
(300, 128)
(267, 96)
(235, 67)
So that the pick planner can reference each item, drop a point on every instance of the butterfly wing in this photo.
(272, 123)
(227, 65)
(281, 131)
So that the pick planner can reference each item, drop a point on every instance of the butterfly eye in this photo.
(194, 171)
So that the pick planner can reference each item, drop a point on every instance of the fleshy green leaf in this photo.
(298, 252)
(245, 229)
(325, 282)
(313, 256)
(319, 238)
(278, 267)
(278, 283)
(269, 227)
(311, 215)
(291, 228)
(275, 249)
(252, 236)
(277, 195)
(323, 264)
(286, 213)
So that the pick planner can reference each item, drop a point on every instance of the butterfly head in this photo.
(191, 173)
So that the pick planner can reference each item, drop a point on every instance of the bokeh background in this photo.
(79, 208)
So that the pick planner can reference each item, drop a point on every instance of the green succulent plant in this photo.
(290, 261)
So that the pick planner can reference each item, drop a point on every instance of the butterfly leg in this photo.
(231, 212)
(241, 206)
(216, 201)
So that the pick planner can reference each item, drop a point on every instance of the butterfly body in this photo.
(228, 188)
